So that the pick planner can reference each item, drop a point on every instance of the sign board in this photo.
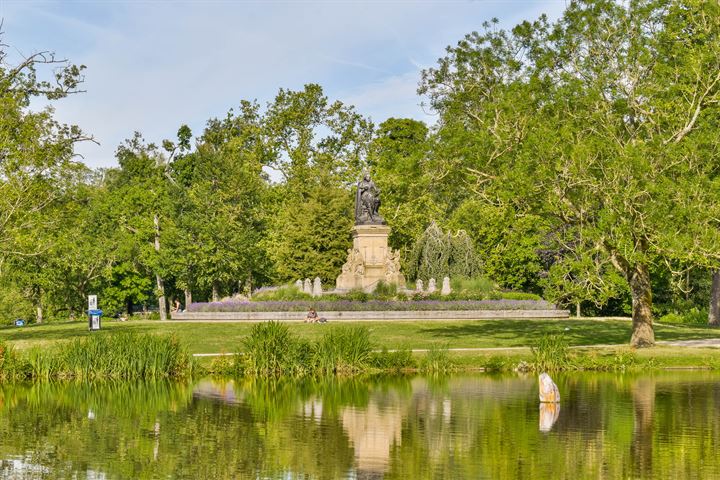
(92, 302)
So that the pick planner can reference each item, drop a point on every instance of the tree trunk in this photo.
(714, 310)
(642, 321)
(162, 305)
(38, 305)
(577, 309)
(215, 292)
(188, 298)
(160, 283)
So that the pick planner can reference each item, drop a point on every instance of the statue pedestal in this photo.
(370, 260)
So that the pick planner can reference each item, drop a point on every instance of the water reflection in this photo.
(611, 426)
(549, 414)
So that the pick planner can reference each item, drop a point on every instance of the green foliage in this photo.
(271, 349)
(11, 367)
(343, 350)
(395, 361)
(437, 254)
(551, 354)
(437, 360)
(112, 356)
(691, 316)
(284, 293)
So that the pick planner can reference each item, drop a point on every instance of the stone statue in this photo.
(367, 203)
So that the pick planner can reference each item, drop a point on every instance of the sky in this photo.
(155, 65)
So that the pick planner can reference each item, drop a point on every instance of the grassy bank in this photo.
(217, 337)
(63, 350)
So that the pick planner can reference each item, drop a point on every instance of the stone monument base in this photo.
(370, 261)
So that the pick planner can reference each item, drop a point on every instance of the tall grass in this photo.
(551, 353)
(437, 360)
(113, 356)
(271, 349)
(343, 350)
(11, 367)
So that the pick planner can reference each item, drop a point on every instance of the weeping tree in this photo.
(437, 254)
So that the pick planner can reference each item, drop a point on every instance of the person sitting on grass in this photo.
(312, 316)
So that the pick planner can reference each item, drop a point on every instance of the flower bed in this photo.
(370, 305)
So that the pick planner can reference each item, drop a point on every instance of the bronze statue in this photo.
(367, 203)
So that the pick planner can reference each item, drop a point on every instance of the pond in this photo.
(664, 425)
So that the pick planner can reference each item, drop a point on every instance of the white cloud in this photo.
(155, 65)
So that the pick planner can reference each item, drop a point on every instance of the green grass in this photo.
(217, 337)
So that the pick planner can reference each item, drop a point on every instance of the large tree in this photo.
(605, 121)
(37, 166)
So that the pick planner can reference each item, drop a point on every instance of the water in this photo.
(665, 425)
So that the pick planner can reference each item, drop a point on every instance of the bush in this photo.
(385, 291)
(281, 294)
(692, 316)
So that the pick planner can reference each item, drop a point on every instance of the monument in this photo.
(370, 260)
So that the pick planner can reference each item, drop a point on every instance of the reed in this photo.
(113, 356)
(11, 367)
(271, 349)
(437, 360)
(551, 354)
(343, 350)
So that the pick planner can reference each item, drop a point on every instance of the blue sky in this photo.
(154, 65)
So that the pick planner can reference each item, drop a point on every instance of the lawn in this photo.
(216, 337)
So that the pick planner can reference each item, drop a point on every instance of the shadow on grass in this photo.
(66, 330)
(577, 332)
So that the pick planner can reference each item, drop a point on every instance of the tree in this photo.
(219, 194)
(605, 120)
(142, 212)
(320, 148)
(36, 166)
(437, 254)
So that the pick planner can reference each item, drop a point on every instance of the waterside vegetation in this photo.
(118, 356)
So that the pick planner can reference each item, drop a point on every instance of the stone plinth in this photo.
(370, 260)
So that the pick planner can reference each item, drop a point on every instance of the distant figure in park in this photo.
(176, 306)
(312, 316)
(367, 203)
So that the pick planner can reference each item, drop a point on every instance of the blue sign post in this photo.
(94, 319)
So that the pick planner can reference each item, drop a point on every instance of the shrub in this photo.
(385, 291)
(692, 316)
(281, 294)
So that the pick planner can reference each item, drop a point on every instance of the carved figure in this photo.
(392, 263)
(367, 203)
